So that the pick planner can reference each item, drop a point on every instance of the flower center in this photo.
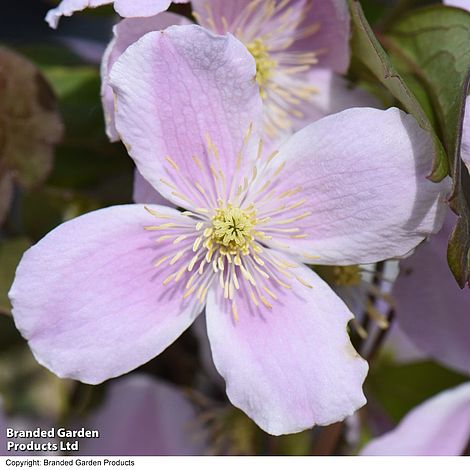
(264, 63)
(232, 229)
(223, 238)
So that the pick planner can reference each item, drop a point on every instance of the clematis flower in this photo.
(125, 8)
(439, 426)
(155, 418)
(296, 45)
(108, 291)
(431, 309)
(300, 48)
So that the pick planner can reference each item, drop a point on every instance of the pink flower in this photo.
(154, 417)
(431, 308)
(126, 8)
(108, 291)
(439, 426)
(299, 46)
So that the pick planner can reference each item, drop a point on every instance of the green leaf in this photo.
(11, 252)
(399, 388)
(434, 44)
(68, 80)
(367, 50)
(374, 10)
(293, 444)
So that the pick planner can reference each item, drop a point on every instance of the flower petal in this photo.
(155, 418)
(334, 94)
(331, 41)
(143, 8)
(126, 8)
(174, 88)
(458, 3)
(144, 193)
(399, 346)
(127, 32)
(290, 367)
(69, 7)
(89, 298)
(431, 309)
(362, 189)
(439, 426)
(209, 13)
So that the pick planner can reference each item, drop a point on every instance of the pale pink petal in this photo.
(292, 366)
(144, 416)
(144, 193)
(90, 300)
(362, 189)
(431, 308)
(334, 94)
(465, 148)
(142, 8)
(174, 88)
(69, 7)
(439, 426)
(126, 33)
(402, 349)
(209, 13)
(126, 8)
(458, 3)
(331, 41)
